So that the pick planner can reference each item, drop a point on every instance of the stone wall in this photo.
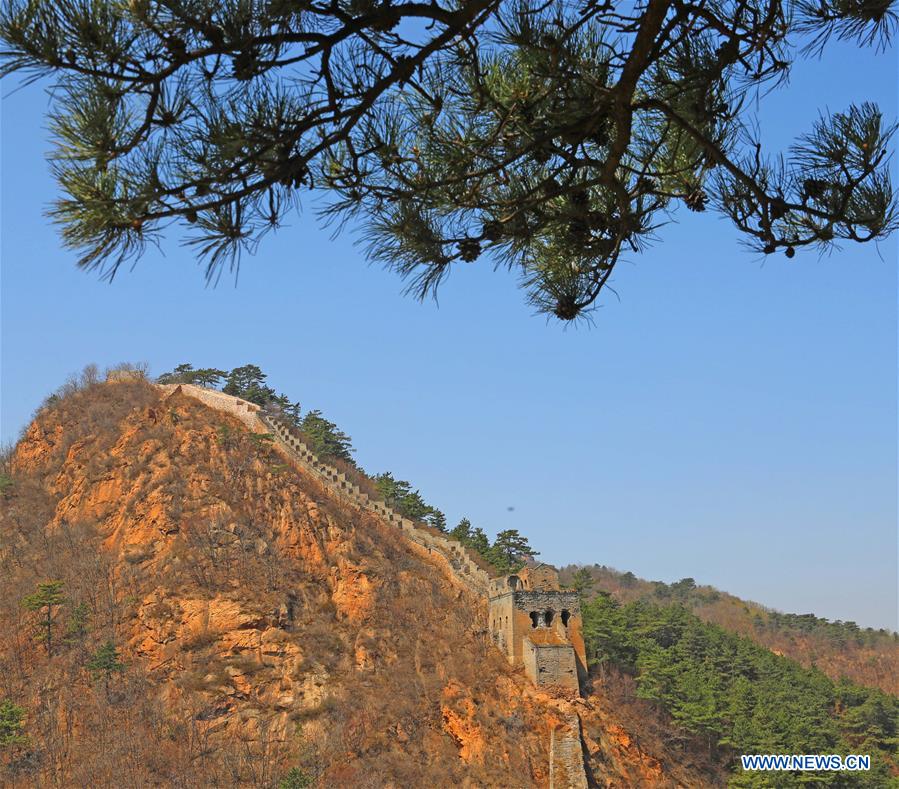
(566, 754)
(550, 664)
(463, 566)
(501, 620)
(451, 554)
(244, 410)
(507, 614)
(515, 613)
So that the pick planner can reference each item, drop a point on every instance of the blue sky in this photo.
(730, 418)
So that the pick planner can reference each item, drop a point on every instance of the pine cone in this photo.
(566, 308)
(469, 249)
(695, 201)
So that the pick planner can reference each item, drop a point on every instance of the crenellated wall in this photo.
(452, 555)
(463, 567)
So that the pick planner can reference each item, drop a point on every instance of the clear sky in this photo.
(730, 418)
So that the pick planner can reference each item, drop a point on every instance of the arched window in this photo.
(548, 618)
(566, 615)
(534, 617)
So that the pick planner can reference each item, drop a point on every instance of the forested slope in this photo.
(839, 649)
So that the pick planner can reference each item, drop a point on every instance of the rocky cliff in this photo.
(264, 625)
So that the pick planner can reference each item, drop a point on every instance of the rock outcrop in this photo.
(265, 622)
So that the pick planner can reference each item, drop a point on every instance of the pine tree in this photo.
(582, 582)
(77, 624)
(182, 374)
(462, 531)
(248, 383)
(434, 517)
(48, 597)
(549, 138)
(209, 377)
(399, 494)
(509, 550)
(327, 440)
(11, 724)
(104, 663)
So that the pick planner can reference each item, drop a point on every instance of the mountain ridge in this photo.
(263, 624)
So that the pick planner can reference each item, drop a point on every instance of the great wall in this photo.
(531, 620)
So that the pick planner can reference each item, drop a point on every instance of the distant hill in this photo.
(839, 649)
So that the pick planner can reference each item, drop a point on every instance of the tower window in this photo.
(548, 618)
(534, 618)
(566, 615)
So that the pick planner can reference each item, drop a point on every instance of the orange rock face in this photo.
(263, 625)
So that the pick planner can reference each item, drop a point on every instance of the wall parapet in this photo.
(244, 410)
(462, 566)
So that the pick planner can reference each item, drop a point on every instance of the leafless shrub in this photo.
(200, 639)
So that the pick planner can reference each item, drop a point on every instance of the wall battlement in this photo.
(455, 557)
(534, 622)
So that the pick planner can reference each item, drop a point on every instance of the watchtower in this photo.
(538, 625)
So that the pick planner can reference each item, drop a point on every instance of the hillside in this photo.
(839, 649)
(220, 619)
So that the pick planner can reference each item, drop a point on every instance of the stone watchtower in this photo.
(538, 626)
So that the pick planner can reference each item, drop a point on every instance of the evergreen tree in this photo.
(296, 779)
(11, 724)
(480, 542)
(77, 624)
(182, 374)
(462, 531)
(287, 408)
(208, 377)
(45, 600)
(582, 582)
(434, 517)
(248, 383)
(552, 138)
(104, 663)
(509, 550)
(400, 496)
(737, 695)
(683, 587)
(326, 439)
